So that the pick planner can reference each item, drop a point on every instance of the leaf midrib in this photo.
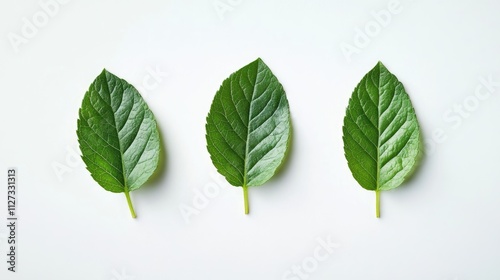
(378, 128)
(245, 168)
(125, 183)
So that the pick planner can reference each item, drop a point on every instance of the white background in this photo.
(443, 224)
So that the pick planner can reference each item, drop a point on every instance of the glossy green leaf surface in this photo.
(248, 126)
(381, 132)
(118, 136)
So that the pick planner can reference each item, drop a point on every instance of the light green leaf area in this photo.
(118, 135)
(248, 126)
(381, 132)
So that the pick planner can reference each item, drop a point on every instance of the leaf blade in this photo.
(381, 133)
(248, 126)
(118, 135)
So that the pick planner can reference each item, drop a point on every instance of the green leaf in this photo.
(381, 132)
(118, 136)
(248, 127)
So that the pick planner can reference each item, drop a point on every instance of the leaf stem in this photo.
(377, 194)
(130, 206)
(245, 197)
